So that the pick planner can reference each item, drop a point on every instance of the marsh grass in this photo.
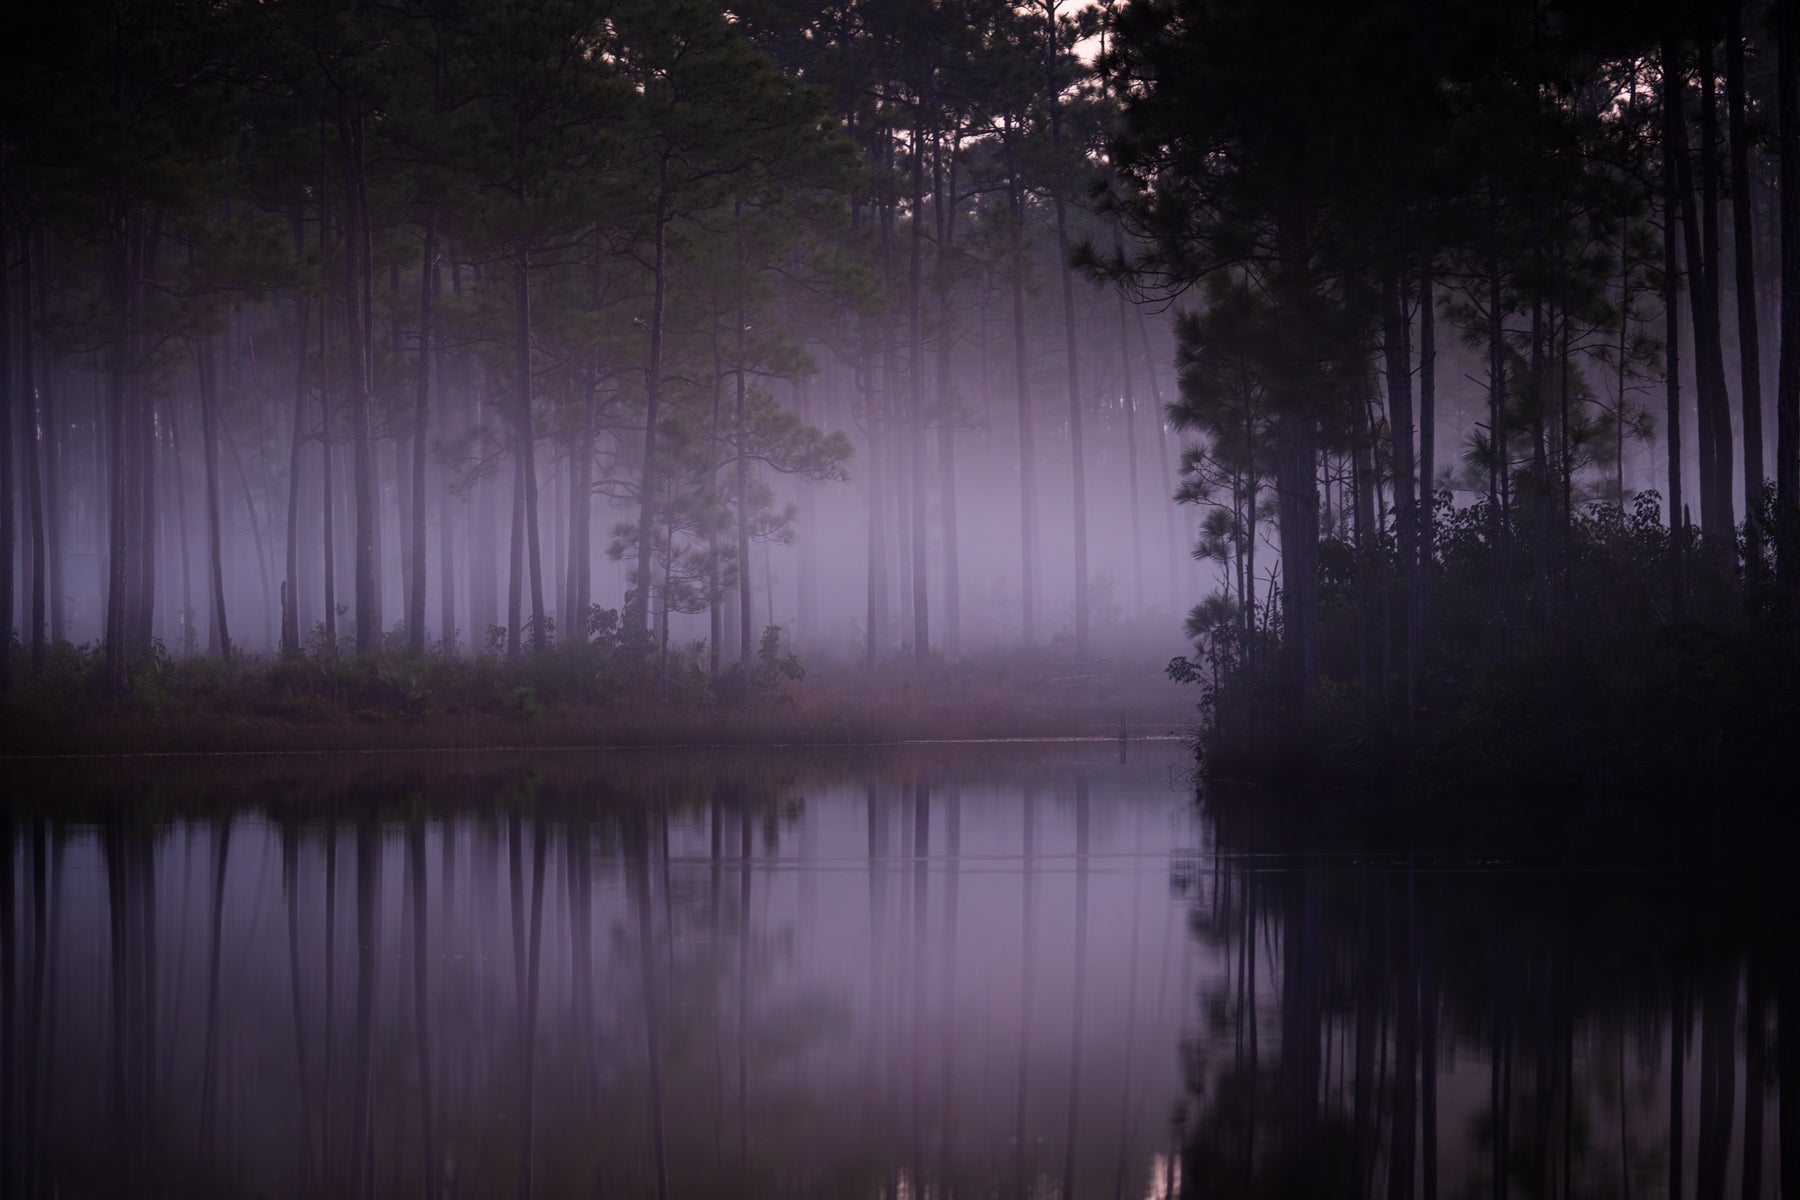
(574, 695)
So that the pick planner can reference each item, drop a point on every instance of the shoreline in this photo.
(1049, 739)
(839, 723)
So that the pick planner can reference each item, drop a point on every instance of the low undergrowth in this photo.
(609, 689)
(1540, 688)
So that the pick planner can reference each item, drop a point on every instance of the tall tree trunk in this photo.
(1743, 235)
(256, 529)
(31, 424)
(515, 551)
(1398, 354)
(142, 596)
(415, 613)
(1699, 233)
(899, 411)
(328, 493)
(1787, 402)
(356, 270)
(581, 508)
(1168, 505)
(652, 393)
(915, 378)
(1671, 122)
(806, 571)
(209, 455)
(944, 209)
(53, 525)
(1427, 454)
(1498, 466)
(1131, 451)
(1077, 444)
(1723, 443)
(873, 397)
(7, 543)
(527, 463)
(741, 436)
(290, 588)
(189, 630)
(1027, 430)
(1365, 507)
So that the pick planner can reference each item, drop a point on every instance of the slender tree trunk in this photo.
(1699, 232)
(715, 591)
(256, 529)
(806, 573)
(581, 508)
(415, 614)
(1498, 466)
(1621, 382)
(1398, 354)
(356, 270)
(53, 524)
(741, 436)
(944, 208)
(1723, 443)
(30, 431)
(515, 554)
(1077, 444)
(1298, 492)
(1427, 451)
(1131, 451)
(290, 589)
(652, 393)
(1743, 235)
(915, 378)
(873, 397)
(328, 493)
(142, 596)
(189, 618)
(899, 412)
(1363, 503)
(450, 404)
(7, 547)
(1168, 506)
(1027, 430)
(209, 454)
(526, 448)
(1671, 115)
(1787, 402)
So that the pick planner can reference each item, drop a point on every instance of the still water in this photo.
(1022, 970)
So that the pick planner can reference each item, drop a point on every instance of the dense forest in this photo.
(1385, 342)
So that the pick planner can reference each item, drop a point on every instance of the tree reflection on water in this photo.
(1009, 972)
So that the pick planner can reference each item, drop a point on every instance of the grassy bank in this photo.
(571, 696)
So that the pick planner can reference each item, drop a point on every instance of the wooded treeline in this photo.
(340, 324)
(1577, 226)
(316, 307)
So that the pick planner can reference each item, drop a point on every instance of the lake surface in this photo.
(1019, 970)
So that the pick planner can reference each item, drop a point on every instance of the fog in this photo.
(831, 537)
